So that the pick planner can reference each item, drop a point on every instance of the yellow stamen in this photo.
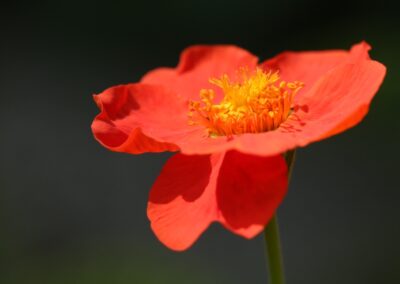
(259, 102)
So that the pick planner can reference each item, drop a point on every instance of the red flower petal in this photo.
(249, 190)
(342, 99)
(197, 65)
(139, 118)
(240, 191)
(310, 66)
(182, 202)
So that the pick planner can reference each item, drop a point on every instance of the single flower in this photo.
(230, 119)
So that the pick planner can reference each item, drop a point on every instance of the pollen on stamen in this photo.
(257, 102)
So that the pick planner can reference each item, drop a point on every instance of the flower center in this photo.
(259, 101)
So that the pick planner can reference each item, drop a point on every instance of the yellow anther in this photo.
(258, 102)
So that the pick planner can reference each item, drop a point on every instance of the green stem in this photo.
(272, 240)
(274, 255)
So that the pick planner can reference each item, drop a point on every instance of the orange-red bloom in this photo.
(230, 119)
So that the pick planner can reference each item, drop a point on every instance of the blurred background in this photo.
(73, 212)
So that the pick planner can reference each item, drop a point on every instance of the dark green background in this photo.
(73, 212)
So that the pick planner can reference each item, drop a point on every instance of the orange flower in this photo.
(230, 119)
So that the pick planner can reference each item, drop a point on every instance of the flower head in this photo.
(230, 119)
